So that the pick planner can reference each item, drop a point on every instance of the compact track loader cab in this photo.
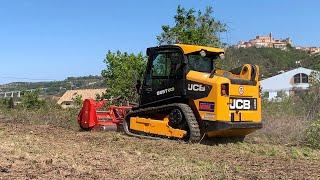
(183, 96)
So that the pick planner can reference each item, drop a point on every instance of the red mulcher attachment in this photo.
(91, 116)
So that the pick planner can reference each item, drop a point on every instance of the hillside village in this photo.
(268, 41)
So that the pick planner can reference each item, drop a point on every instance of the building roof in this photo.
(85, 93)
(283, 81)
(187, 49)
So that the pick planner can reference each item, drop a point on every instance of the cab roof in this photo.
(187, 49)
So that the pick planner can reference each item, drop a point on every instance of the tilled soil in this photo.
(49, 152)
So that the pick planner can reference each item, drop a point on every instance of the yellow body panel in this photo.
(245, 73)
(157, 127)
(187, 49)
(222, 112)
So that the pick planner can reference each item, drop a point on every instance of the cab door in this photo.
(164, 77)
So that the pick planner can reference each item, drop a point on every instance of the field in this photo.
(45, 150)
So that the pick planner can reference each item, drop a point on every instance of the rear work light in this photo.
(260, 91)
(224, 89)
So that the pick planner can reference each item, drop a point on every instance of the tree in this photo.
(314, 79)
(270, 60)
(11, 103)
(193, 28)
(312, 99)
(77, 100)
(31, 100)
(122, 72)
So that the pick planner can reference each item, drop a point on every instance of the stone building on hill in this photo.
(267, 41)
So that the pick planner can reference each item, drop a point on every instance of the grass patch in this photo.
(297, 153)
(313, 134)
(50, 115)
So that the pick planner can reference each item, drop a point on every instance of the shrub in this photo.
(77, 100)
(122, 72)
(7, 103)
(11, 103)
(313, 134)
(50, 113)
(284, 122)
(31, 100)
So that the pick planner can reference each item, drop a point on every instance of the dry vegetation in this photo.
(282, 128)
(47, 143)
(46, 151)
(287, 122)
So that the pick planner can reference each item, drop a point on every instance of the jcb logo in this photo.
(196, 87)
(240, 104)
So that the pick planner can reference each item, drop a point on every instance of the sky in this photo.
(43, 40)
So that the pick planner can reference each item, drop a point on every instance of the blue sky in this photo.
(54, 39)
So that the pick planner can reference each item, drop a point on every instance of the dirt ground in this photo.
(49, 152)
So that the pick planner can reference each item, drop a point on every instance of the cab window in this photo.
(165, 64)
(165, 68)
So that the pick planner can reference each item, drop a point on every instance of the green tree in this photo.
(312, 98)
(192, 27)
(11, 103)
(313, 134)
(314, 79)
(121, 74)
(270, 60)
(77, 100)
(31, 100)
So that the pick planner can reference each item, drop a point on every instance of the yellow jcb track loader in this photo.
(184, 96)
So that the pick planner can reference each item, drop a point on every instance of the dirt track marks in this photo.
(41, 151)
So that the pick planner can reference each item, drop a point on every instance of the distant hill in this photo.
(57, 87)
(271, 60)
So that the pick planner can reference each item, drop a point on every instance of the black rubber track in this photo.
(194, 130)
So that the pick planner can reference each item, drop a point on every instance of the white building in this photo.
(286, 83)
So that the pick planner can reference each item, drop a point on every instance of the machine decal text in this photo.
(196, 87)
(165, 91)
(243, 104)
